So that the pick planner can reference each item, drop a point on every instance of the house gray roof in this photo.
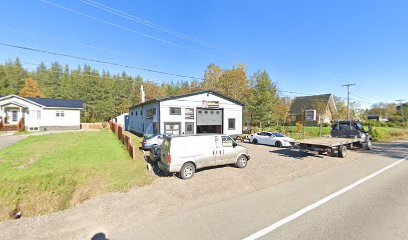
(190, 94)
(55, 103)
(309, 103)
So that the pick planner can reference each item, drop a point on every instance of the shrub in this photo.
(379, 135)
(299, 127)
(326, 124)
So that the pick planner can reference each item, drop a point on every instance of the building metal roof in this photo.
(188, 95)
(300, 104)
(52, 102)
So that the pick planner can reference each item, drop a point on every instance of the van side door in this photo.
(206, 151)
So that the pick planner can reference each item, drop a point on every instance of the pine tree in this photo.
(30, 89)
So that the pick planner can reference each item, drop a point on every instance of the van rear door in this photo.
(165, 150)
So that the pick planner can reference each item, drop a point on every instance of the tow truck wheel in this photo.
(342, 152)
(369, 145)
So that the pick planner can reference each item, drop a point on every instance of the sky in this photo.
(307, 47)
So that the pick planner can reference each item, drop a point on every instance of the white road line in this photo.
(322, 201)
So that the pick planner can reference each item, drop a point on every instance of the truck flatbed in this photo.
(327, 141)
(332, 145)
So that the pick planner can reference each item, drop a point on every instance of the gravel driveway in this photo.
(114, 212)
(8, 140)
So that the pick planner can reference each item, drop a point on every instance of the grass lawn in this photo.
(47, 173)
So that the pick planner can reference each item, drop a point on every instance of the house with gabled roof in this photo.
(313, 109)
(32, 114)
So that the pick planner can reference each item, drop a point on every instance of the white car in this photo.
(271, 138)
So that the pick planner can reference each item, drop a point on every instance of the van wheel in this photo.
(187, 171)
(278, 144)
(241, 162)
(342, 151)
(255, 141)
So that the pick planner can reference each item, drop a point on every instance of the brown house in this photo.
(313, 109)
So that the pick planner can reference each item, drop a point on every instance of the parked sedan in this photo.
(149, 141)
(270, 138)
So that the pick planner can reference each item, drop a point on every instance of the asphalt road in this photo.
(376, 209)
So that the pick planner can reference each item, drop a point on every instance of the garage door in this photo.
(209, 121)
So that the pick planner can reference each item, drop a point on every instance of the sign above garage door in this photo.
(209, 117)
(211, 104)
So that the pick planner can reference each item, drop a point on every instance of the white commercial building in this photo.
(33, 114)
(193, 113)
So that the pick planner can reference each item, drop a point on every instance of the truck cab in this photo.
(351, 129)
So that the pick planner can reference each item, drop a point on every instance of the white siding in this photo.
(231, 110)
(70, 118)
(140, 123)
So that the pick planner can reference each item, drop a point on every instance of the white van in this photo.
(185, 154)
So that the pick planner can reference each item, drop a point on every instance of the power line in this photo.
(152, 25)
(85, 45)
(97, 61)
(125, 28)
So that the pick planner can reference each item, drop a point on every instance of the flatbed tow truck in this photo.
(344, 135)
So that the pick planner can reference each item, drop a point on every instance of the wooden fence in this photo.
(123, 138)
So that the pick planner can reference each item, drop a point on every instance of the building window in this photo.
(60, 114)
(135, 113)
(141, 112)
(200, 112)
(38, 114)
(131, 113)
(231, 123)
(175, 111)
(212, 112)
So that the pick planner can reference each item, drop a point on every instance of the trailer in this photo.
(344, 135)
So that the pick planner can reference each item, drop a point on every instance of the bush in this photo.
(379, 135)
(299, 127)
(326, 124)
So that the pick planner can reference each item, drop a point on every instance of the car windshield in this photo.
(278, 135)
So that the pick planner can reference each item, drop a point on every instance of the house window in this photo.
(141, 112)
(14, 116)
(135, 113)
(131, 113)
(60, 114)
(38, 114)
(231, 123)
(175, 111)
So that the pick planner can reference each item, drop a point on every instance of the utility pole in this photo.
(348, 98)
(402, 112)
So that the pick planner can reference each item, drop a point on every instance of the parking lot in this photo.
(169, 195)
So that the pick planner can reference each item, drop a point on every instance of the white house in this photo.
(193, 113)
(34, 114)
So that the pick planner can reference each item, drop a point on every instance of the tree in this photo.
(30, 89)
(282, 109)
(262, 102)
